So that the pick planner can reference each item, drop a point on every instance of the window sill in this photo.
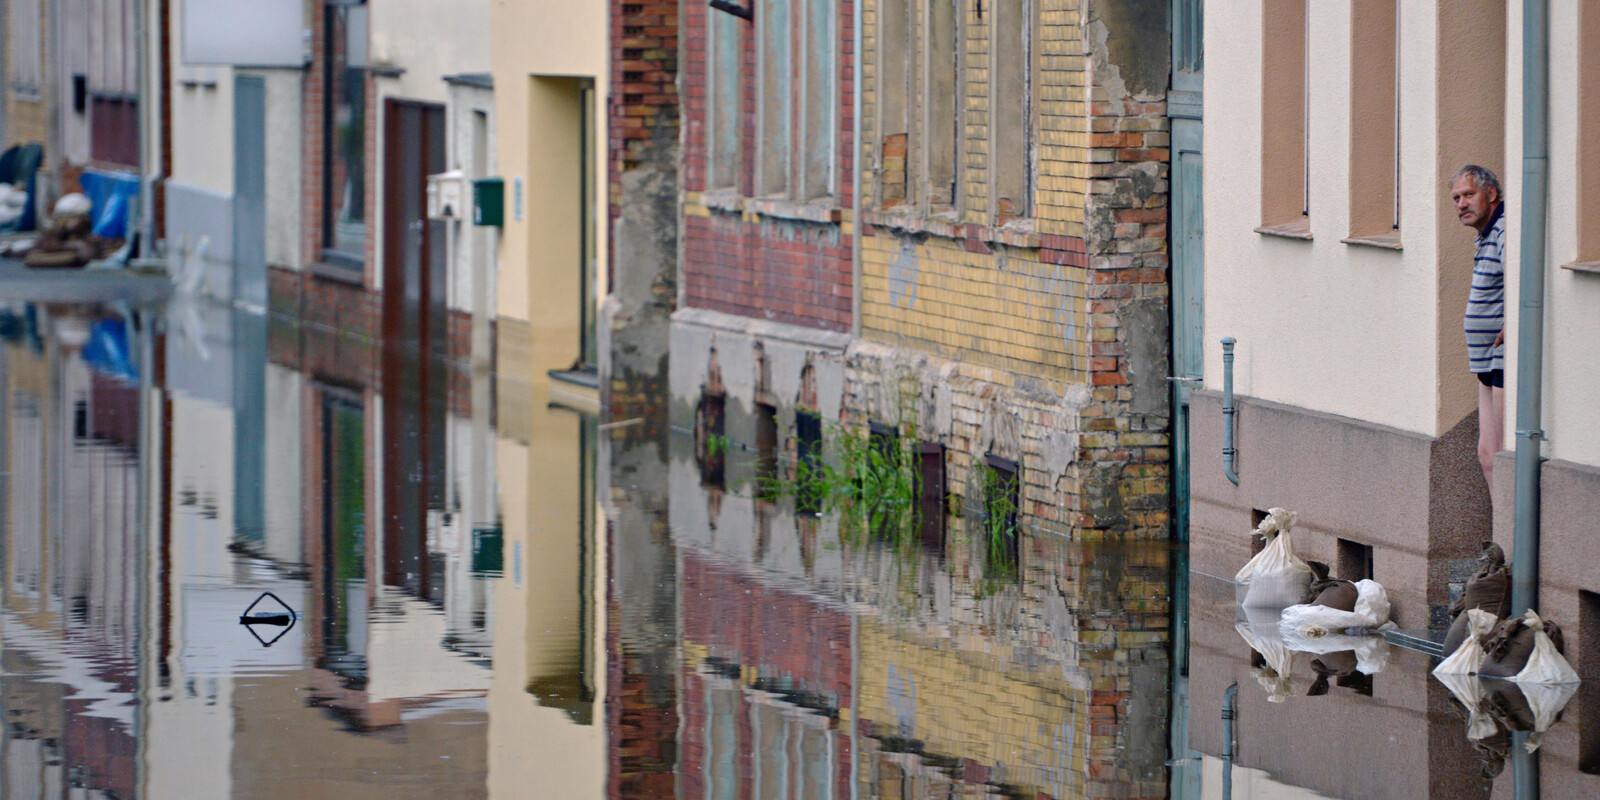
(1590, 267)
(353, 275)
(1388, 241)
(1015, 233)
(1300, 229)
(822, 210)
(587, 377)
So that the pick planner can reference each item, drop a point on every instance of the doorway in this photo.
(415, 380)
(563, 228)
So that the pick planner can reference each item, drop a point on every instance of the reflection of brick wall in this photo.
(748, 262)
(776, 641)
(100, 753)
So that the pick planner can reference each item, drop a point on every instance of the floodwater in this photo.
(245, 557)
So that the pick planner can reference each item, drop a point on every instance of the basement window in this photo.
(1588, 666)
(710, 439)
(808, 460)
(1001, 500)
(1355, 560)
(931, 496)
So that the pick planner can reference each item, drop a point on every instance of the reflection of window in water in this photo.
(344, 534)
(722, 744)
(345, 134)
(793, 752)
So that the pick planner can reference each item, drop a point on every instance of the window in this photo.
(722, 118)
(1374, 118)
(918, 96)
(344, 180)
(25, 40)
(1011, 110)
(1283, 117)
(796, 103)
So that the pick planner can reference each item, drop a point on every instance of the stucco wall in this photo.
(428, 40)
(1572, 385)
(1340, 328)
(540, 38)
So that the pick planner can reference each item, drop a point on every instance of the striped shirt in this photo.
(1486, 305)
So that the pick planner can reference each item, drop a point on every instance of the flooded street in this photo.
(249, 557)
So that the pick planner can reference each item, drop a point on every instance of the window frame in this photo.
(338, 50)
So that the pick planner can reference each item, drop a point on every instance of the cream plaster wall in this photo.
(429, 40)
(202, 117)
(1572, 328)
(1344, 329)
(541, 37)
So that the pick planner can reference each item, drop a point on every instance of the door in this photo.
(250, 191)
(415, 340)
(1187, 232)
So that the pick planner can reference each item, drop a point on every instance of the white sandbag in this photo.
(1468, 690)
(1469, 656)
(1546, 700)
(1259, 628)
(75, 203)
(1314, 621)
(1545, 664)
(1372, 651)
(1275, 577)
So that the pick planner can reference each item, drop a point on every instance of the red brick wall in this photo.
(753, 265)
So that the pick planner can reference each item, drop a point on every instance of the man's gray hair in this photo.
(1483, 177)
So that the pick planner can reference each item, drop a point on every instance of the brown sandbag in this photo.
(1330, 592)
(1488, 590)
(1492, 753)
(1507, 647)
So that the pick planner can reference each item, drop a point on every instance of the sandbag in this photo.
(1259, 628)
(1526, 648)
(1370, 611)
(1275, 577)
(1371, 652)
(1489, 589)
(1468, 658)
(1469, 691)
(1527, 707)
(1339, 664)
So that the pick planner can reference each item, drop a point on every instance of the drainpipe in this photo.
(855, 175)
(1530, 339)
(1228, 411)
(1229, 713)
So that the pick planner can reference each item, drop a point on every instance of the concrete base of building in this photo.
(1411, 507)
(749, 362)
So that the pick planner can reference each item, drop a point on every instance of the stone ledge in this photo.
(1289, 230)
(780, 331)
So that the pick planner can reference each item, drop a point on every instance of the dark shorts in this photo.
(1494, 377)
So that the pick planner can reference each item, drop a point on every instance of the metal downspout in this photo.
(855, 174)
(1229, 712)
(1229, 451)
(1530, 338)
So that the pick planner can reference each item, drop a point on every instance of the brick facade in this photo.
(317, 95)
(1040, 340)
(778, 260)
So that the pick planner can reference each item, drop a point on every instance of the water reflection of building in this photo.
(68, 610)
(1399, 734)
(550, 681)
(912, 672)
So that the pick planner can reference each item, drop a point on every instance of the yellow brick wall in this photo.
(968, 705)
(1006, 309)
(1025, 316)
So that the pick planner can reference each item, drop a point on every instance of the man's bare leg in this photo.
(1491, 429)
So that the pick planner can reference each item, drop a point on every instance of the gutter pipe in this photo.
(1530, 339)
(1229, 452)
(1229, 713)
(855, 174)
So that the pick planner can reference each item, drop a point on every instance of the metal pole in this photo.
(1229, 713)
(1229, 452)
(1530, 341)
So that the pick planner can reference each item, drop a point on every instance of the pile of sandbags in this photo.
(1334, 620)
(69, 240)
(13, 203)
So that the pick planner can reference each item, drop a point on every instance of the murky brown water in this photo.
(246, 558)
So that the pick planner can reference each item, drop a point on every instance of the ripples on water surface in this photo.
(466, 589)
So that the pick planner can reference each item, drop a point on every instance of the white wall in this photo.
(1343, 329)
(1572, 328)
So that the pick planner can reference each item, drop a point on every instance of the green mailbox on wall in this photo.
(489, 201)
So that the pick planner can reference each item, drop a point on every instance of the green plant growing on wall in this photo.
(999, 520)
(870, 482)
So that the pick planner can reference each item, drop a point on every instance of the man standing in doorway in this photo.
(1481, 205)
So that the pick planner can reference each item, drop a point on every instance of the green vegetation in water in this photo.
(870, 482)
(999, 521)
